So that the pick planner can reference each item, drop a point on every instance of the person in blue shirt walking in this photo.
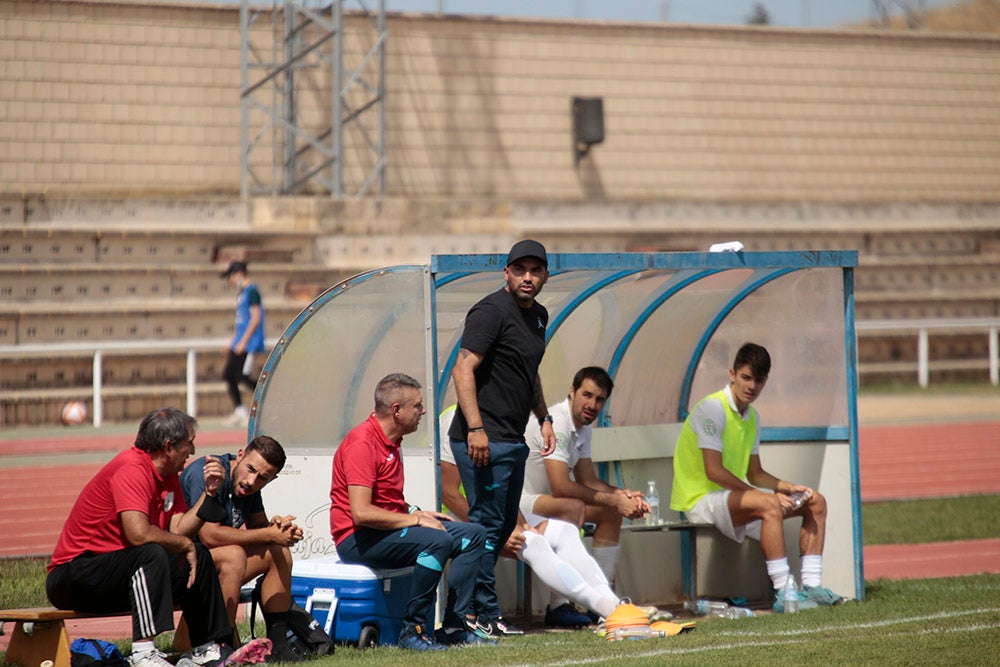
(247, 342)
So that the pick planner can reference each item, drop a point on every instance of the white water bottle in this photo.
(653, 499)
(734, 613)
(790, 596)
(707, 607)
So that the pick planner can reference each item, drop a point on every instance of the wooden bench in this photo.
(40, 634)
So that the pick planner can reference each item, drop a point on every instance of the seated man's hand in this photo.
(515, 542)
(214, 475)
(630, 504)
(428, 519)
(787, 500)
(288, 532)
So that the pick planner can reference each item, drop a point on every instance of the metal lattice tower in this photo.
(299, 99)
(913, 10)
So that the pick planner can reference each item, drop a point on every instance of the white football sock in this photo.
(778, 570)
(565, 540)
(812, 570)
(607, 560)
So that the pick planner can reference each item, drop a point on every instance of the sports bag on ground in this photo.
(95, 653)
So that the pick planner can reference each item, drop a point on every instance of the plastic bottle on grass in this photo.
(738, 612)
(707, 607)
(638, 632)
(790, 596)
(653, 498)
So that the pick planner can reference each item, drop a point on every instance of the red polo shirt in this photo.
(129, 481)
(366, 457)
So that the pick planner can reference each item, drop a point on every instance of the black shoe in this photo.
(497, 627)
(565, 616)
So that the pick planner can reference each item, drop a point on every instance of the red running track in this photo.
(929, 461)
(37, 498)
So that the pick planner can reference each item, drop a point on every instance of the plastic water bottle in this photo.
(707, 607)
(799, 499)
(637, 632)
(653, 498)
(734, 613)
(790, 596)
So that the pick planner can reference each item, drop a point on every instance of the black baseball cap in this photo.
(234, 267)
(527, 248)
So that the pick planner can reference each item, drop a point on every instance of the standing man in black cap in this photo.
(248, 340)
(497, 385)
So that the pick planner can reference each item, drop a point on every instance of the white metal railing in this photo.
(923, 329)
(98, 350)
(192, 346)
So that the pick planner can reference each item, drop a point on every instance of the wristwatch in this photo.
(546, 418)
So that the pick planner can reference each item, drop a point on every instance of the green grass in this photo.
(946, 621)
(22, 583)
(932, 520)
(900, 623)
(931, 621)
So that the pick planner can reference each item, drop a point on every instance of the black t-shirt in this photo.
(511, 340)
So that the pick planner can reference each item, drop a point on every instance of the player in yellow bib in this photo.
(718, 479)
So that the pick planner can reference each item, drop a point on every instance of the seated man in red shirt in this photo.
(128, 544)
(373, 525)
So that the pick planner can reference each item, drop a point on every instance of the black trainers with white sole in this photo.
(497, 627)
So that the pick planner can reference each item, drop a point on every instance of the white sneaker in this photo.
(208, 654)
(240, 417)
(152, 658)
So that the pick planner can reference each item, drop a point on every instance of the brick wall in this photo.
(103, 97)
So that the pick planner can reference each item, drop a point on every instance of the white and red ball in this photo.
(73, 413)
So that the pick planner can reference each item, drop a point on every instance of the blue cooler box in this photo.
(368, 605)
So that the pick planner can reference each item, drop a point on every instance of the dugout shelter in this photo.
(665, 325)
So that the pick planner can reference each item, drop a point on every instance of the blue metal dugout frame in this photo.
(691, 267)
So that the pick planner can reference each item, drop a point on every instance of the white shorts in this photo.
(526, 506)
(713, 508)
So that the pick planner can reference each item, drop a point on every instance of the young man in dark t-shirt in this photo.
(245, 543)
(497, 385)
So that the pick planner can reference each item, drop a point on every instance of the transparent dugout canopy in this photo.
(665, 325)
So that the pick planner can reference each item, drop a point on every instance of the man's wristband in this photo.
(211, 510)
(413, 508)
(477, 429)
(546, 418)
